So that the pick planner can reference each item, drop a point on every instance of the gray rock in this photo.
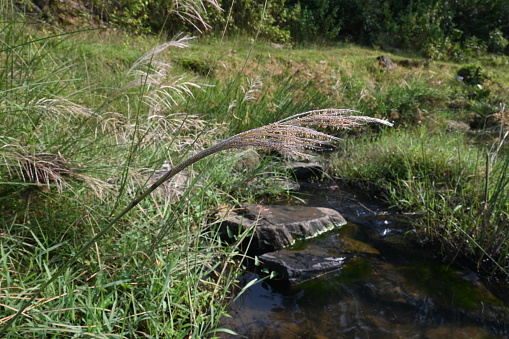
(456, 126)
(295, 267)
(315, 258)
(247, 160)
(276, 227)
(174, 188)
(385, 62)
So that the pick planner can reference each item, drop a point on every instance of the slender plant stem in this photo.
(168, 175)
(290, 135)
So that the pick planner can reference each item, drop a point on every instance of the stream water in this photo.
(389, 287)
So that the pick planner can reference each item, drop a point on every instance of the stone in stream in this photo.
(316, 259)
(276, 227)
(295, 267)
(435, 289)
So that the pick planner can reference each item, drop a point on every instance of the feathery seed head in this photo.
(291, 136)
(39, 168)
(294, 135)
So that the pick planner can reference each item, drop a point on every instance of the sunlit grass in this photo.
(458, 189)
(84, 131)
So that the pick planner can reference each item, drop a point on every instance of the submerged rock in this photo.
(349, 245)
(316, 258)
(294, 267)
(276, 227)
(436, 289)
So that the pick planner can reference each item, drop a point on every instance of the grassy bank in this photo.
(456, 188)
(89, 117)
(86, 120)
(447, 159)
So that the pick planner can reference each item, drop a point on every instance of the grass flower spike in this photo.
(292, 136)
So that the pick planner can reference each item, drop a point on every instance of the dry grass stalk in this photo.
(150, 57)
(253, 90)
(191, 11)
(291, 135)
(163, 96)
(163, 91)
(38, 168)
(153, 73)
(61, 108)
(46, 169)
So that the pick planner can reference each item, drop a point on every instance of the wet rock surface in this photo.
(435, 290)
(295, 267)
(382, 282)
(276, 227)
(314, 258)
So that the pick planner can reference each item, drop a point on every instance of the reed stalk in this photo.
(291, 136)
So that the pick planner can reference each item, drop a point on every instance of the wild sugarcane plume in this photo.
(292, 136)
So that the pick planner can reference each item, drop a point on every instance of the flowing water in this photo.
(389, 287)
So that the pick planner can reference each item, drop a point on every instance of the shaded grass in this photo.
(110, 292)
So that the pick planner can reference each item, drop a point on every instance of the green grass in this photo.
(82, 143)
(299, 79)
(458, 189)
(94, 130)
(76, 145)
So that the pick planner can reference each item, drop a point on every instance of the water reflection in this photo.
(388, 288)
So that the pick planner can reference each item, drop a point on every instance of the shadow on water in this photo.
(391, 286)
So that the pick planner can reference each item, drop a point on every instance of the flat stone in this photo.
(294, 267)
(276, 227)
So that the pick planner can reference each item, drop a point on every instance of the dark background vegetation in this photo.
(436, 29)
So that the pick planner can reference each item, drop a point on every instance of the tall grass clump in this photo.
(255, 97)
(290, 136)
(80, 139)
(458, 189)
(77, 140)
